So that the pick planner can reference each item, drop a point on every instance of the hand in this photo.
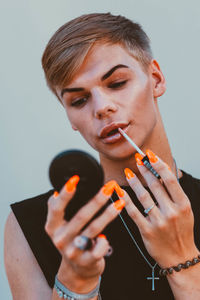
(81, 264)
(167, 231)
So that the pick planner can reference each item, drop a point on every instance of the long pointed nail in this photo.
(55, 194)
(129, 174)
(119, 190)
(72, 183)
(108, 188)
(138, 158)
(119, 204)
(152, 157)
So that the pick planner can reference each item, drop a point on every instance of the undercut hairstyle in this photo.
(68, 47)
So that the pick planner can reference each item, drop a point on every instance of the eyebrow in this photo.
(104, 77)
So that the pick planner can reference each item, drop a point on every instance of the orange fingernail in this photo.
(152, 157)
(138, 158)
(119, 191)
(108, 188)
(72, 183)
(119, 204)
(102, 236)
(55, 194)
(129, 174)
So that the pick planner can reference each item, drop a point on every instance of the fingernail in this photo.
(129, 174)
(108, 188)
(152, 157)
(119, 204)
(72, 183)
(102, 236)
(55, 194)
(138, 158)
(119, 191)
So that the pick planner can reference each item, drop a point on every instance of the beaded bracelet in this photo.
(186, 265)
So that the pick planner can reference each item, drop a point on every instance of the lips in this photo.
(111, 129)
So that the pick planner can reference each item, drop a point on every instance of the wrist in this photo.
(64, 292)
(74, 281)
(178, 259)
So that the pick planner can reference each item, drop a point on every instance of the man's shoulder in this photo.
(28, 210)
(34, 201)
(188, 179)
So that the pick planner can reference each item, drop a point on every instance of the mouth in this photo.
(112, 129)
(110, 134)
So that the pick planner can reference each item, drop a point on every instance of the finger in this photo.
(110, 213)
(142, 194)
(130, 207)
(89, 210)
(155, 185)
(97, 253)
(170, 181)
(58, 202)
(85, 257)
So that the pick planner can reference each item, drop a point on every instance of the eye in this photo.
(118, 84)
(79, 101)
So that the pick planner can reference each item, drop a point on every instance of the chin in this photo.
(118, 153)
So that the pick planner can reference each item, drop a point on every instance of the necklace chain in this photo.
(134, 240)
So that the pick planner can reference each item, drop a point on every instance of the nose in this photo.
(104, 104)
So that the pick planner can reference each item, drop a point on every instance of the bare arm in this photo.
(185, 284)
(25, 277)
(79, 270)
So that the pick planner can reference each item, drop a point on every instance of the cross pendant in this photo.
(153, 279)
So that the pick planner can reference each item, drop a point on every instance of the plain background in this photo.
(33, 125)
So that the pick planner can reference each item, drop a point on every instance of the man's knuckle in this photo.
(80, 217)
(48, 229)
(70, 253)
(186, 209)
(171, 180)
(154, 185)
(56, 210)
(98, 200)
(95, 256)
(144, 196)
(162, 225)
(172, 217)
(93, 228)
(147, 233)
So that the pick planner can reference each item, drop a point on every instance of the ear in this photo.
(158, 79)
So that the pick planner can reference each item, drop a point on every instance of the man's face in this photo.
(111, 88)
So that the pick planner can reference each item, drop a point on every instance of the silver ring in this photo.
(82, 242)
(147, 210)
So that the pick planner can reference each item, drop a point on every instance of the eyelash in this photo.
(115, 85)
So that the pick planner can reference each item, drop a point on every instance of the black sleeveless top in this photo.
(126, 272)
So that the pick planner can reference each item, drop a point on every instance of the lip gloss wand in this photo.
(145, 159)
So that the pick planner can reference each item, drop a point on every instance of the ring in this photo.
(109, 252)
(83, 242)
(147, 210)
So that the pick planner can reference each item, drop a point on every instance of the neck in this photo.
(157, 142)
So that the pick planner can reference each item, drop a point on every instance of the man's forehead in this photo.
(100, 59)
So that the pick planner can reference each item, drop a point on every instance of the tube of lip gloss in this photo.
(145, 159)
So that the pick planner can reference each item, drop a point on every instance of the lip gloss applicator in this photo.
(145, 159)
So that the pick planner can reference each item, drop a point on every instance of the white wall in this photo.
(33, 126)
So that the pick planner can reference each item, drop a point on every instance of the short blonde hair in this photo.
(68, 47)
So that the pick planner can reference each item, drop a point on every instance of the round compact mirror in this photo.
(76, 162)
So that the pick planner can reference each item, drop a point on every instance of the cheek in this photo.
(142, 102)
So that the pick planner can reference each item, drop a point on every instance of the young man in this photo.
(102, 71)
